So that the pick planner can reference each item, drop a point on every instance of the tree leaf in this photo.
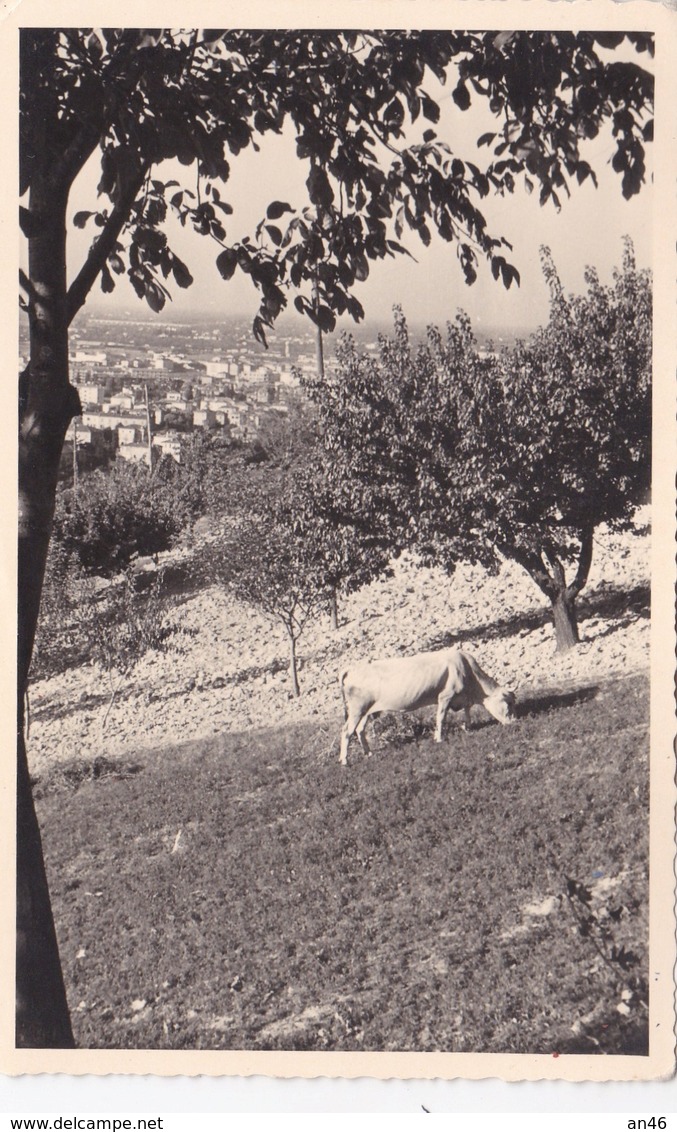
(277, 209)
(274, 233)
(319, 188)
(430, 108)
(226, 262)
(154, 297)
(461, 96)
(181, 273)
(323, 317)
(107, 281)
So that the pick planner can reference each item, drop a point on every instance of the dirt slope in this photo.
(227, 669)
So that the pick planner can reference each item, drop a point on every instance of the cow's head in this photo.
(501, 705)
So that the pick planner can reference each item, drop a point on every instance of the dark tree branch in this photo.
(557, 567)
(534, 566)
(584, 562)
(103, 246)
(75, 156)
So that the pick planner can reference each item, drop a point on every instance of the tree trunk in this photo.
(552, 582)
(319, 352)
(333, 610)
(47, 403)
(293, 665)
(563, 596)
(42, 1019)
(566, 624)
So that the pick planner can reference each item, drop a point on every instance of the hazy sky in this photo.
(588, 230)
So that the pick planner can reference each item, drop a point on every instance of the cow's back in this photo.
(398, 683)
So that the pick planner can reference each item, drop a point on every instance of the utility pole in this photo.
(319, 344)
(75, 457)
(319, 353)
(148, 428)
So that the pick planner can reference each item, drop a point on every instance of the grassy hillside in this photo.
(244, 891)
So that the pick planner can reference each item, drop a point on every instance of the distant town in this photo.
(144, 385)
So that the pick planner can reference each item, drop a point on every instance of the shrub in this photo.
(113, 626)
(115, 516)
(123, 626)
(67, 595)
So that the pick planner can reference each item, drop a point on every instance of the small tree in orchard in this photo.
(121, 626)
(348, 555)
(265, 566)
(471, 458)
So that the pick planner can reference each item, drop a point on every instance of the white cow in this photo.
(450, 678)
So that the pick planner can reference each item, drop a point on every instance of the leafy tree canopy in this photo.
(465, 455)
(142, 97)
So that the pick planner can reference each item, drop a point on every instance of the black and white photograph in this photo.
(345, 672)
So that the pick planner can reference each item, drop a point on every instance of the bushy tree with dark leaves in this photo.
(571, 412)
(117, 516)
(469, 457)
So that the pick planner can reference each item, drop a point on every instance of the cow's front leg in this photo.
(466, 721)
(345, 739)
(442, 705)
(347, 732)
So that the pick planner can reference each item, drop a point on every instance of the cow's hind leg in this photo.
(354, 723)
(359, 731)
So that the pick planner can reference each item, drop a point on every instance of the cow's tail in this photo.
(342, 678)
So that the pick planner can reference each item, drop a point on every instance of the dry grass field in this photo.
(245, 891)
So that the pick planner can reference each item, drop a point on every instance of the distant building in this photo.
(169, 445)
(91, 394)
(204, 418)
(136, 452)
(289, 379)
(215, 368)
(112, 420)
(263, 394)
(176, 399)
(129, 435)
(90, 357)
(83, 434)
(220, 404)
(122, 400)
